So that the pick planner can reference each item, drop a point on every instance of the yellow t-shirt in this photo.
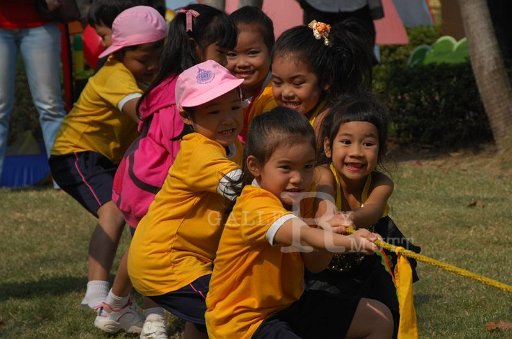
(96, 122)
(251, 278)
(262, 103)
(175, 243)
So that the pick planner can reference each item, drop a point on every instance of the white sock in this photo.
(155, 313)
(96, 293)
(116, 301)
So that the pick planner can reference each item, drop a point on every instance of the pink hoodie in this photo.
(145, 165)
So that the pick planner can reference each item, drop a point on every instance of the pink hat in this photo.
(136, 26)
(202, 83)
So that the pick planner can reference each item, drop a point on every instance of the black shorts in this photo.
(188, 303)
(86, 176)
(317, 314)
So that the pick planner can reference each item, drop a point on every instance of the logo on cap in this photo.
(204, 76)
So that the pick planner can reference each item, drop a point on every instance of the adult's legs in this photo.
(40, 48)
(8, 52)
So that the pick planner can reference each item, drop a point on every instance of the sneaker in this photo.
(127, 318)
(154, 328)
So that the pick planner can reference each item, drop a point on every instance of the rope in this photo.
(442, 265)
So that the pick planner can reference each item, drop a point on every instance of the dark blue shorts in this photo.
(86, 176)
(317, 314)
(188, 303)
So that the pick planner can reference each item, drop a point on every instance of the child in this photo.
(354, 141)
(171, 254)
(142, 171)
(313, 65)
(250, 60)
(256, 288)
(92, 140)
(101, 15)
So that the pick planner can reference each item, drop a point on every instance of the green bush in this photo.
(436, 104)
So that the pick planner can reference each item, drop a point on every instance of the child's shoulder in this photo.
(381, 179)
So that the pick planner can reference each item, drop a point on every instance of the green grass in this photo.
(44, 238)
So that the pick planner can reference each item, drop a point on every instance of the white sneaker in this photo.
(155, 327)
(112, 320)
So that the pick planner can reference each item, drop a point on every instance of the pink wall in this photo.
(284, 13)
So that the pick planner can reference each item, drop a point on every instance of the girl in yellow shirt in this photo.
(171, 253)
(256, 288)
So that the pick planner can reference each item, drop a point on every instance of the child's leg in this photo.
(192, 332)
(371, 320)
(104, 241)
(118, 312)
(102, 251)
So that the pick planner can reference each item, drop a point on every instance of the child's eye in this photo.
(345, 141)
(253, 52)
(231, 54)
(276, 82)
(298, 84)
(309, 166)
(236, 108)
(214, 112)
(284, 168)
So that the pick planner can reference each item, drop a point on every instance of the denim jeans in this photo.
(40, 50)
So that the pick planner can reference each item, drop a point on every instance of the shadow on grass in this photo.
(50, 286)
(425, 298)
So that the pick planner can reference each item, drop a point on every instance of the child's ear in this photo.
(327, 148)
(253, 165)
(326, 87)
(185, 117)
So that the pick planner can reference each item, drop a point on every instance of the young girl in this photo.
(171, 253)
(197, 33)
(256, 288)
(313, 65)
(354, 141)
(93, 138)
(250, 60)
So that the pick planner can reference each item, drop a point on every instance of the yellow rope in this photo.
(444, 266)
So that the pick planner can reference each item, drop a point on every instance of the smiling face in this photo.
(354, 151)
(142, 62)
(220, 119)
(294, 84)
(250, 60)
(288, 173)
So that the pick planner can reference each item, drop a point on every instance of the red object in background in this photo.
(92, 46)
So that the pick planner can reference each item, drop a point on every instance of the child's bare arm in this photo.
(306, 239)
(130, 108)
(375, 204)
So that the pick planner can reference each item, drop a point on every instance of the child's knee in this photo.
(372, 319)
(382, 316)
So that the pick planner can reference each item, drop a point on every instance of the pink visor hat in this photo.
(204, 82)
(136, 26)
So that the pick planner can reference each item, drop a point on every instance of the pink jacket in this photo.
(145, 165)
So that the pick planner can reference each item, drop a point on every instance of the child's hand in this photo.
(363, 241)
(340, 222)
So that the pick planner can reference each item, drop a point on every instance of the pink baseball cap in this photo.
(136, 26)
(204, 82)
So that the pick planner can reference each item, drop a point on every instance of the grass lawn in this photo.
(458, 208)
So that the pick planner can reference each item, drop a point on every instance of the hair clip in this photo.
(189, 14)
(321, 30)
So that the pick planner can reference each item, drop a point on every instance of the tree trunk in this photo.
(489, 70)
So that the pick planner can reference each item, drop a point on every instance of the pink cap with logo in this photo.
(136, 26)
(204, 82)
